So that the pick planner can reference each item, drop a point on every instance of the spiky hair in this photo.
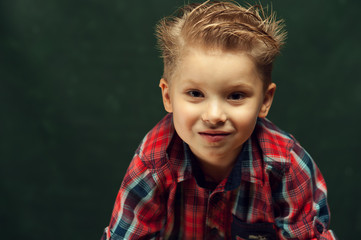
(222, 25)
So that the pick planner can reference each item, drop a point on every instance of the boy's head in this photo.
(217, 76)
(223, 26)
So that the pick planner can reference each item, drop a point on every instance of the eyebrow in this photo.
(227, 87)
(187, 82)
(190, 80)
(240, 85)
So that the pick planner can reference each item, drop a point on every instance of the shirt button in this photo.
(214, 231)
(216, 198)
(319, 227)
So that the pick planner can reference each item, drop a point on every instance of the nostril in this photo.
(214, 116)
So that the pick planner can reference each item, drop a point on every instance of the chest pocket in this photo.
(256, 231)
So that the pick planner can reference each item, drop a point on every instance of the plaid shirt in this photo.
(275, 191)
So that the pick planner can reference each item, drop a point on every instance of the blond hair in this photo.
(222, 25)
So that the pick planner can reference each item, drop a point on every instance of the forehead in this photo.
(206, 65)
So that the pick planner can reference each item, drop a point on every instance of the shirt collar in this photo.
(267, 145)
(244, 168)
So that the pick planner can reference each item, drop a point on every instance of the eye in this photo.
(195, 94)
(236, 96)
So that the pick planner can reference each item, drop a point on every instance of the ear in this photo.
(164, 85)
(267, 101)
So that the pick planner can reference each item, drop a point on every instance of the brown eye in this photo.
(195, 94)
(236, 96)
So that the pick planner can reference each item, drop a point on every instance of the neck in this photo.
(214, 173)
(216, 168)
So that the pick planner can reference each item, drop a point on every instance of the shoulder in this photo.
(152, 151)
(161, 153)
(274, 142)
(280, 150)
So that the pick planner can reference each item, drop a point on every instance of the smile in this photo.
(214, 136)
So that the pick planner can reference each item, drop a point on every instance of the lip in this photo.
(214, 136)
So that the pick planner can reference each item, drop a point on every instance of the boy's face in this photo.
(215, 98)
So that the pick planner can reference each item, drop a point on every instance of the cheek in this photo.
(185, 115)
(245, 117)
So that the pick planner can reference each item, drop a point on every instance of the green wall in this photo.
(79, 89)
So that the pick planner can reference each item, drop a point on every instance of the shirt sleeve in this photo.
(139, 212)
(301, 206)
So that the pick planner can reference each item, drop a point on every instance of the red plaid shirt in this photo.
(275, 191)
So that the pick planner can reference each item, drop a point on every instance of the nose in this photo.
(214, 113)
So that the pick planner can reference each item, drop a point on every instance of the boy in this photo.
(215, 167)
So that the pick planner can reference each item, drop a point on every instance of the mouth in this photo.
(214, 136)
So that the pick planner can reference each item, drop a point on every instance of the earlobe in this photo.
(164, 85)
(267, 101)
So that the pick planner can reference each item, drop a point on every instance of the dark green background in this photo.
(79, 89)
